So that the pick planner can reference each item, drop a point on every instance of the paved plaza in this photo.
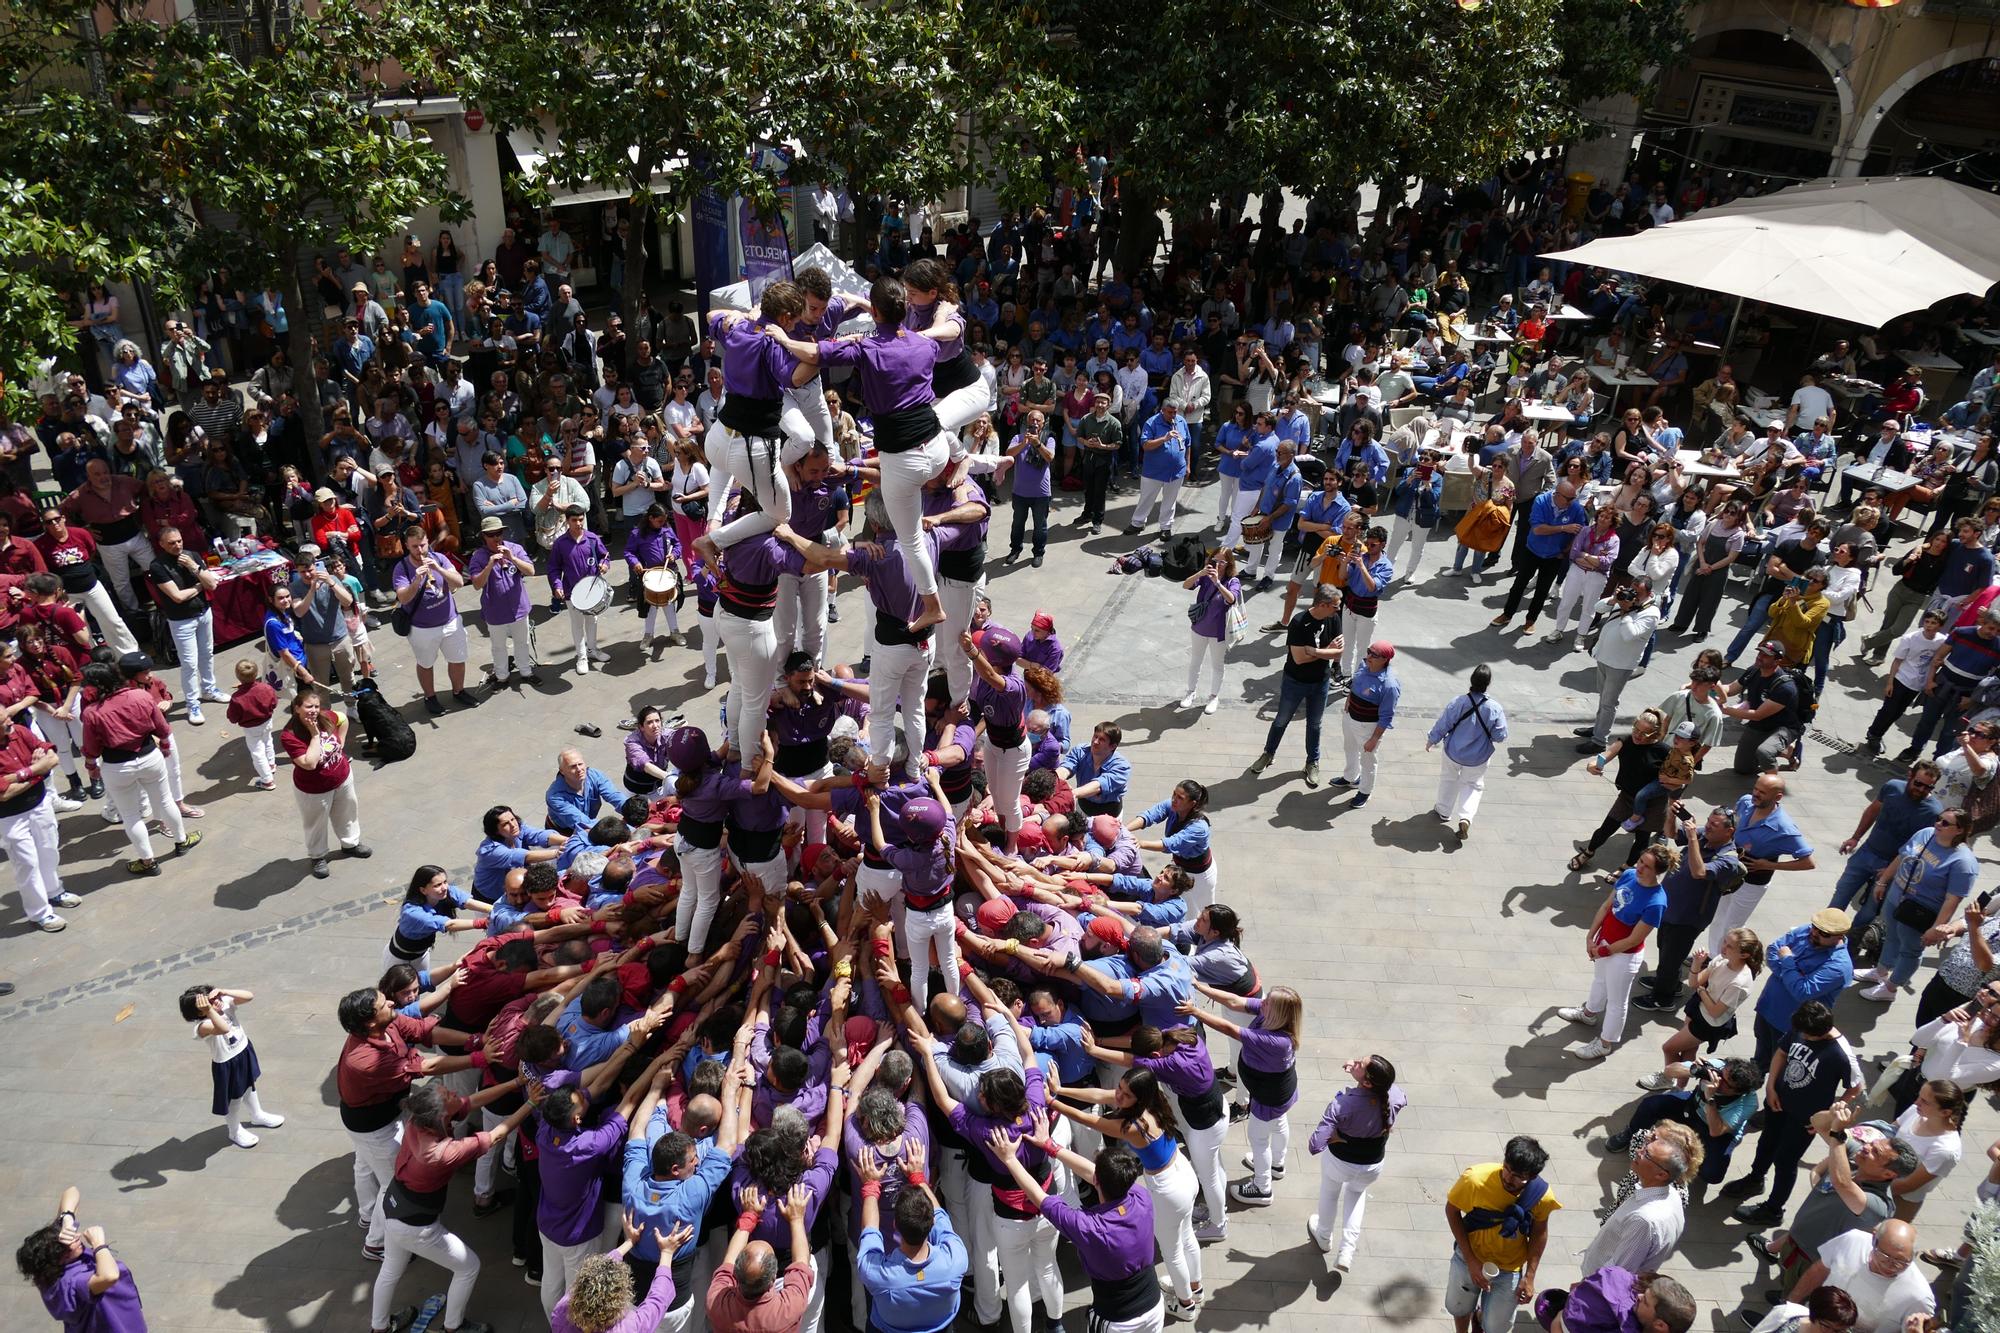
(1450, 960)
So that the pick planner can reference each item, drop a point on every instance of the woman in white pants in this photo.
(1216, 589)
(1591, 553)
(1142, 1117)
(322, 780)
(413, 1204)
(1617, 945)
(128, 734)
(1178, 1058)
(1000, 699)
(1232, 441)
(58, 702)
(958, 513)
(1351, 1140)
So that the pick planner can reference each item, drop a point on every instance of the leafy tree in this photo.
(1225, 97)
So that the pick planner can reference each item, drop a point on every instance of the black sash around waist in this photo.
(114, 756)
(1363, 710)
(1361, 1152)
(407, 949)
(1117, 1299)
(1005, 737)
(703, 833)
(800, 759)
(751, 416)
(962, 566)
(1194, 865)
(896, 630)
(907, 428)
(953, 375)
(1203, 1109)
(1268, 1089)
(367, 1119)
(1090, 805)
(753, 845)
(1364, 607)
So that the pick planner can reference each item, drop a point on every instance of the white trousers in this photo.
(1580, 590)
(957, 597)
(1205, 887)
(1270, 1141)
(903, 478)
(701, 893)
(1360, 762)
(1356, 632)
(1151, 1322)
(1343, 1197)
(1005, 769)
(194, 644)
(966, 1198)
(1174, 1189)
(769, 873)
(66, 734)
(673, 619)
(96, 599)
(582, 633)
(800, 620)
(374, 1167)
(120, 559)
(805, 420)
(1734, 911)
(896, 676)
(1168, 493)
(1242, 506)
(960, 408)
(336, 812)
(1459, 789)
(1028, 1268)
(512, 646)
(1225, 499)
(753, 667)
(1611, 991)
(1407, 530)
(925, 930)
(487, 1163)
(32, 849)
(401, 1243)
(735, 459)
(263, 754)
(711, 639)
(1205, 1148)
(1202, 648)
(559, 1265)
(131, 784)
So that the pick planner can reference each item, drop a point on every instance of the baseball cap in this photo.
(1687, 731)
(133, 664)
(1383, 649)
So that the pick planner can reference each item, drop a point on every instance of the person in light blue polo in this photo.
(1163, 466)
(913, 1286)
(1372, 696)
(1258, 461)
(670, 1178)
(1277, 499)
(578, 793)
(1470, 728)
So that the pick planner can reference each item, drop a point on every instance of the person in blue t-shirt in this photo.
(1630, 913)
(1919, 893)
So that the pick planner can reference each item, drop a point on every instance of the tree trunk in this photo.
(634, 288)
(297, 342)
(1139, 227)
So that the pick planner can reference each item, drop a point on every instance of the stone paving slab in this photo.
(1448, 959)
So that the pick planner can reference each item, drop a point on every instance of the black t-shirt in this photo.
(1778, 687)
(1637, 764)
(1817, 1071)
(1798, 558)
(1305, 632)
(165, 573)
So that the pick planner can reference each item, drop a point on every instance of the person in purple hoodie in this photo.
(1000, 699)
(743, 443)
(894, 369)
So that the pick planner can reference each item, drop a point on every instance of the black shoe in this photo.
(1872, 746)
(463, 699)
(1238, 1113)
(533, 678)
(1036, 562)
(6, 988)
(1583, 731)
(432, 706)
(360, 851)
(1014, 556)
(1588, 747)
(1742, 1189)
(1761, 1214)
(1750, 1318)
(833, 612)
(96, 790)
(1658, 1003)
(556, 604)
(1617, 1143)
(501, 1199)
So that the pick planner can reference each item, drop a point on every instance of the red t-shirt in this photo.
(334, 764)
(252, 705)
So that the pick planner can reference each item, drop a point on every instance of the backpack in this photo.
(1184, 556)
(1808, 701)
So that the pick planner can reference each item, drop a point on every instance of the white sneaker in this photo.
(242, 1137)
(1210, 1233)
(1312, 1230)
(1595, 1049)
(111, 816)
(65, 804)
(1873, 974)
(599, 656)
(1576, 1013)
(1214, 702)
(582, 665)
(1344, 1260)
(1655, 1083)
(52, 923)
(268, 1120)
(1189, 700)
(66, 900)
(215, 696)
(1882, 992)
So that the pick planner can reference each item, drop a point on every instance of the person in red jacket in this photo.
(251, 707)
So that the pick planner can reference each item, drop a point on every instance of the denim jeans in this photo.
(1902, 946)
(1856, 885)
(1291, 694)
(1760, 615)
(1025, 505)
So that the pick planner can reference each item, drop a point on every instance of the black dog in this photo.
(389, 736)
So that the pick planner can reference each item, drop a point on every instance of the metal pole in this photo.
(1729, 339)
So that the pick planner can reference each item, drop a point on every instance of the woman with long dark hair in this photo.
(1185, 836)
(323, 779)
(1142, 1116)
(429, 909)
(1178, 1058)
(1353, 1135)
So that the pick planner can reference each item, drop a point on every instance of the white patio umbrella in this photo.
(1864, 250)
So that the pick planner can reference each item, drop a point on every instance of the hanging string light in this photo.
(1874, 4)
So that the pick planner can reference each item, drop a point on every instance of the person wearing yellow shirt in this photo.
(1796, 615)
(1499, 1219)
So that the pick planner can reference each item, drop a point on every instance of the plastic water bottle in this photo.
(724, 733)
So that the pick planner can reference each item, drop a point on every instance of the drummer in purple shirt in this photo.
(744, 442)
(894, 367)
(500, 569)
(578, 554)
(1113, 1237)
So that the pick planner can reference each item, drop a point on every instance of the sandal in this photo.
(1941, 1258)
(1580, 862)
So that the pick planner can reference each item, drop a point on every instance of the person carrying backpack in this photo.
(1774, 701)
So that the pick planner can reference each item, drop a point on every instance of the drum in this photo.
(590, 595)
(662, 586)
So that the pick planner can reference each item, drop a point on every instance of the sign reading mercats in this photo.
(767, 253)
